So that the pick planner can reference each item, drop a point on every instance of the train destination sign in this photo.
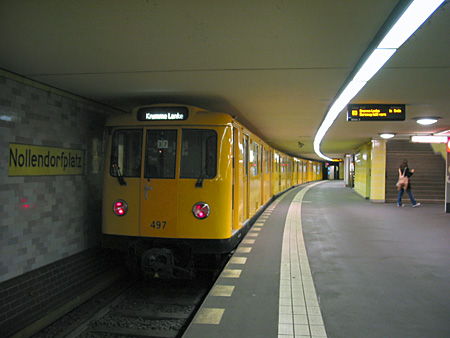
(376, 112)
(163, 114)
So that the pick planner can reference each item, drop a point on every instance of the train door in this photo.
(277, 173)
(159, 184)
(269, 171)
(267, 177)
(246, 177)
(305, 172)
(238, 179)
(296, 179)
(261, 171)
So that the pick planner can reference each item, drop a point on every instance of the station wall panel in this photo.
(47, 218)
(362, 170)
(378, 171)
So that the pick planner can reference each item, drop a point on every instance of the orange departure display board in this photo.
(376, 112)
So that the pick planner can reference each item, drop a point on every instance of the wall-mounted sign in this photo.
(163, 114)
(376, 112)
(30, 160)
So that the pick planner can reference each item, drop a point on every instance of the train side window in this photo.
(254, 159)
(161, 153)
(126, 153)
(198, 154)
(277, 162)
(266, 161)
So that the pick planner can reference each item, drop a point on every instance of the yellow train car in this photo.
(181, 182)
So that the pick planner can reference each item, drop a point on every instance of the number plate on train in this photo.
(158, 225)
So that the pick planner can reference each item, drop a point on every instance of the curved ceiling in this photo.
(275, 64)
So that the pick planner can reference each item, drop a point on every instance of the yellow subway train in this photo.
(182, 183)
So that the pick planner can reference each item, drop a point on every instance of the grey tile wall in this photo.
(46, 218)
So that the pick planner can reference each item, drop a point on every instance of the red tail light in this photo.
(120, 207)
(201, 210)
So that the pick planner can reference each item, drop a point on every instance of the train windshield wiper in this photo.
(116, 171)
(199, 183)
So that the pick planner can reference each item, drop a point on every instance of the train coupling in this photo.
(161, 263)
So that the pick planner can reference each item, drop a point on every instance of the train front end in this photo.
(167, 193)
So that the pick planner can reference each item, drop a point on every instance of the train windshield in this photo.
(161, 153)
(126, 153)
(198, 154)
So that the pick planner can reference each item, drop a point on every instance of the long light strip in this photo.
(374, 63)
(414, 16)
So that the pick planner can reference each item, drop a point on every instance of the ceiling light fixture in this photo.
(412, 18)
(443, 133)
(429, 139)
(426, 121)
(387, 136)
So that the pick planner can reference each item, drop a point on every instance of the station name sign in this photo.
(376, 112)
(31, 160)
(163, 114)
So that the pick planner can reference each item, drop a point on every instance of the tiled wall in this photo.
(31, 297)
(378, 171)
(362, 171)
(370, 171)
(46, 218)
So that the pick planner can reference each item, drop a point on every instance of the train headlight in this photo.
(120, 207)
(201, 210)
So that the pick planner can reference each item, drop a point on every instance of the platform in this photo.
(323, 262)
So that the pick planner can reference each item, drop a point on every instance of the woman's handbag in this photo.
(402, 180)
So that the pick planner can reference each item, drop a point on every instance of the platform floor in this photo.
(323, 262)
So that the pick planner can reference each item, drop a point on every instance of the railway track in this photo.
(159, 308)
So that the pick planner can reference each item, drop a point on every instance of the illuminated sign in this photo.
(376, 112)
(30, 160)
(163, 114)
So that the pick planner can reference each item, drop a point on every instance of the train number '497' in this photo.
(158, 225)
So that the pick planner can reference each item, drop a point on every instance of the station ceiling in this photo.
(275, 64)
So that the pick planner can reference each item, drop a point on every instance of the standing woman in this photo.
(404, 171)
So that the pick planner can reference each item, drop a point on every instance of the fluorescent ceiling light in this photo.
(414, 16)
(427, 120)
(429, 139)
(387, 135)
(373, 64)
(445, 132)
(349, 92)
(409, 22)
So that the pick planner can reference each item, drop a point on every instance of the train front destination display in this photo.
(376, 112)
(163, 114)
